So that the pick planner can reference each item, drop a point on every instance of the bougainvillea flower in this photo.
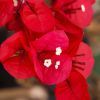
(52, 63)
(79, 12)
(74, 88)
(14, 57)
(83, 60)
(6, 11)
(37, 17)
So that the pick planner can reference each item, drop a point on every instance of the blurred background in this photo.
(31, 89)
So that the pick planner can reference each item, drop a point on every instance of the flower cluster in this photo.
(47, 44)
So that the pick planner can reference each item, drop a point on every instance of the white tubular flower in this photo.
(83, 8)
(57, 64)
(58, 51)
(47, 63)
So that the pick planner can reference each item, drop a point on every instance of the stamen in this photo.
(20, 52)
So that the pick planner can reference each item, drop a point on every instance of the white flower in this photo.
(83, 8)
(47, 63)
(15, 3)
(58, 51)
(57, 64)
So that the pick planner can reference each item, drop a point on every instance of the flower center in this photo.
(48, 62)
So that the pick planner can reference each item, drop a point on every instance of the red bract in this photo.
(59, 3)
(15, 23)
(10, 46)
(19, 66)
(93, 1)
(78, 12)
(37, 17)
(74, 33)
(14, 57)
(74, 88)
(6, 11)
(52, 63)
(35, 1)
(84, 61)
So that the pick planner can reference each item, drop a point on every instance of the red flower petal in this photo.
(6, 11)
(84, 61)
(14, 24)
(37, 17)
(75, 88)
(93, 1)
(15, 59)
(19, 66)
(51, 41)
(46, 51)
(74, 33)
(59, 3)
(35, 1)
(52, 75)
(79, 12)
(10, 46)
